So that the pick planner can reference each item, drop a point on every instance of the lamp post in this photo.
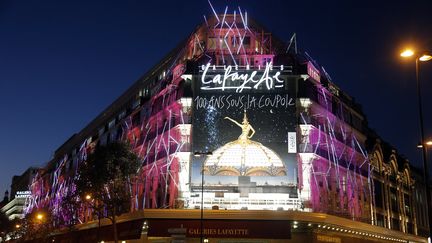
(198, 154)
(94, 206)
(422, 58)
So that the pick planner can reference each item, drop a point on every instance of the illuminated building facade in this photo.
(269, 129)
(14, 208)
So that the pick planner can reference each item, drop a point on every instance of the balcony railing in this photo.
(246, 203)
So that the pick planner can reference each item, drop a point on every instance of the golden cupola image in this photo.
(244, 157)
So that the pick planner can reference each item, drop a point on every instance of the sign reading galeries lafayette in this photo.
(264, 229)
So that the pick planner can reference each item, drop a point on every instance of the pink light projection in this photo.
(159, 130)
(331, 156)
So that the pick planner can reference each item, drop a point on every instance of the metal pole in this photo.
(425, 164)
(202, 204)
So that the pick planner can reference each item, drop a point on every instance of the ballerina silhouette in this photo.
(245, 126)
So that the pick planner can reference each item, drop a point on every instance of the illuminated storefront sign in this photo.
(23, 194)
(221, 228)
(241, 80)
(328, 238)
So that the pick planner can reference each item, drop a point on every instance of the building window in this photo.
(111, 124)
(393, 200)
(344, 182)
(246, 40)
(122, 115)
(136, 119)
(407, 204)
(101, 131)
(135, 104)
(378, 194)
(380, 220)
(357, 122)
(410, 228)
(266, 60)
(322, 100)
(235, 41)
(395, 224)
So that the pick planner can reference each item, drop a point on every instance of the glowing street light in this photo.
(427, 143)
(17, 226)
(407, 53)
(88, 197)
(39, 216)
(424, 57)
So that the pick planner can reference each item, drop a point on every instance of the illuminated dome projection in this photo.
(244, 157)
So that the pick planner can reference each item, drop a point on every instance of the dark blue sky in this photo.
(63, 62)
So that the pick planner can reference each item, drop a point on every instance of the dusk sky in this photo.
(63, 62)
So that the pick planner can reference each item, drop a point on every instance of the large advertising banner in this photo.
(244, 130)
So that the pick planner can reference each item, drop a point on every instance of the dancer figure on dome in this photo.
(245, 126)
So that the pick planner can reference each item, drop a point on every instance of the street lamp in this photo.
(94, 207)
(423, 57)
(198, 154)
(39, 216)
(427, 143)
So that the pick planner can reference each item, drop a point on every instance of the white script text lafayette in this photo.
(247, 80)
